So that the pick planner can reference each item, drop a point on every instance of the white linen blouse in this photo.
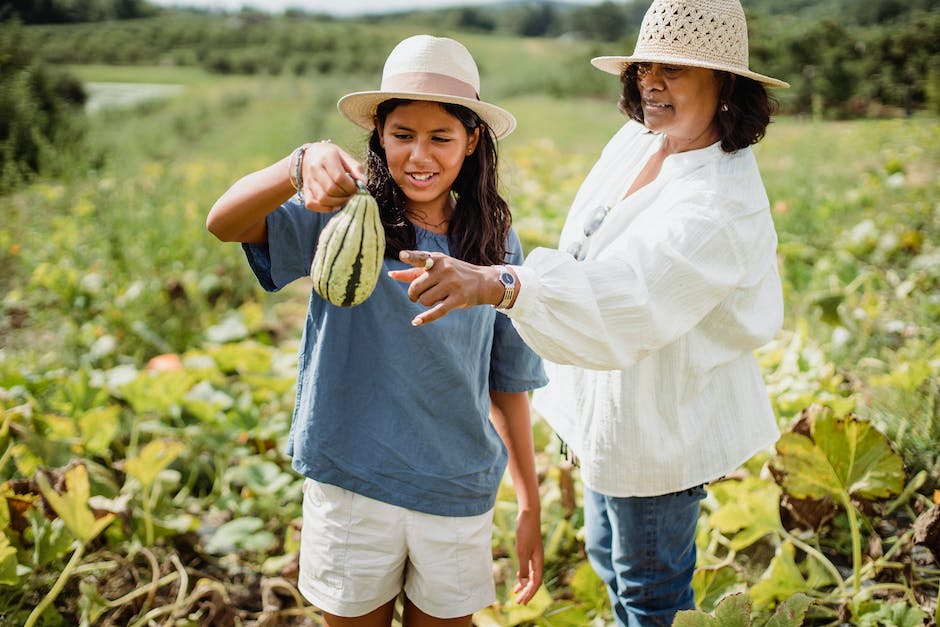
(649, 341)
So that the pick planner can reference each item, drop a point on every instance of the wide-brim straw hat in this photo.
(699, 33)
(436, 69)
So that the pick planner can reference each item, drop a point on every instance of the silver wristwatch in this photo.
(508, 279)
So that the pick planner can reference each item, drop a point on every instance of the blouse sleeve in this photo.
(292, 236)
(514, 366)
(657, 281)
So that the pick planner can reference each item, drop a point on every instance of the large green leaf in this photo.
(246, 533)
(713, 584)
(781, 580)
(844, 457)
(72, 505)
(99, 427)
(790, 613)
(748, 510)
(733, 611)
(153, 459)
(8, 562)
(158, 392)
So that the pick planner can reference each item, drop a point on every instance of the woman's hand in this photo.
(329, 177)
(444, 283)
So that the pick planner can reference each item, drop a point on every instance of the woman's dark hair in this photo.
(479, 228)
(744, 123)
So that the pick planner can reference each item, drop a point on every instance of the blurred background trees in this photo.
(843, 58)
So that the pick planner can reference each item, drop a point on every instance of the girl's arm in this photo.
(510, 413)
(326, 174)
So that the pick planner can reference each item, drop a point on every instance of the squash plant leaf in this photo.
(153, 459)
(243, 357)
(72, 505)
(588, 588)
(99, 427)
(7, 562)
(781, 580)
(844, 457)
(713, 584)
(157, 392)
(733, 611)
(244, 533)
(748, 510)
(518, 614)
(790, 613)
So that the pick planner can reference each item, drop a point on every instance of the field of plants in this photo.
(146, 381)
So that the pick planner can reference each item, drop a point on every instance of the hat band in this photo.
(429, 83)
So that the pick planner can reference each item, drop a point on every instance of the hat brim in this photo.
(615, 65)
(359, 107)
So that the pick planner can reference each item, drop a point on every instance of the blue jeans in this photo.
(644, 550)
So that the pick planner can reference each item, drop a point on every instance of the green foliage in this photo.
(735, 611)
(59, 11)
(106, 269)
(41, 124)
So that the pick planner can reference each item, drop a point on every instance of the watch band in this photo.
(508, 279)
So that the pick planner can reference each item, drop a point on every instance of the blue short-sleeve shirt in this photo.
(394, 412)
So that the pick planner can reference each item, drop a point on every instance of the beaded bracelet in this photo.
(295, 170)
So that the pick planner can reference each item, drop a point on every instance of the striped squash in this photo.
(348, 259)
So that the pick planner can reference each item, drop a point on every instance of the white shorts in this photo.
(356, 554)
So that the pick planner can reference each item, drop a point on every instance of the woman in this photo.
(664, 283)
(392, 425)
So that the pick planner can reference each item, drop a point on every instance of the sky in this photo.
(335, 7)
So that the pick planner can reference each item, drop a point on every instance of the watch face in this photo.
(507, 278)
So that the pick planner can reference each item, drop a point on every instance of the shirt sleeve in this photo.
(657, 282)
(292, 236)
(514, 366)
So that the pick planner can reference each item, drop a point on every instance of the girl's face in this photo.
(425, 147)
(679, 102)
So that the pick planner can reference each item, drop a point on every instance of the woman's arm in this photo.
(510, 413)
(327, 175)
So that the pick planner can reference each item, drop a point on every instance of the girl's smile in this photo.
(425, 147)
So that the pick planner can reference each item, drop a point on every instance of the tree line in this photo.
(843, 58)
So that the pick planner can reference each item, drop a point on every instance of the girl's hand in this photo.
(444, 283)
(329, 177)
(531, 556)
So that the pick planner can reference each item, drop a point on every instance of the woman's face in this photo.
(679, 102)
(425, 147)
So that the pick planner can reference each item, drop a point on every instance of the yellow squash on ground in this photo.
(348, 259)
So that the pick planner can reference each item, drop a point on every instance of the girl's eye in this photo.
(442, 140)
(672, 71)
(401, 136)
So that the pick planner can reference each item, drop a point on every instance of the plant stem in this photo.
(856, 543)
(828, 565)
(36, 614)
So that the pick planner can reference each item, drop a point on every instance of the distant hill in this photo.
(843, 58)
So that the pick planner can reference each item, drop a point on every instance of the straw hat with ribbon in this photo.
(436, 69)
(700, 33)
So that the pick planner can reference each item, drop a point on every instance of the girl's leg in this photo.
(650, 550)
(379, 617)
(414, 617)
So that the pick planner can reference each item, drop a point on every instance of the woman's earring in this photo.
(724, 106)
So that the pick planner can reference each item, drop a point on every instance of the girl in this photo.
(392, 424)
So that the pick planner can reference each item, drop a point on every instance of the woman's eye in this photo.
(672, 70)
(442, 140)
(402, 136)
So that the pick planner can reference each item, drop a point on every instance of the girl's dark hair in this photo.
(479, 228)
(744, 123)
